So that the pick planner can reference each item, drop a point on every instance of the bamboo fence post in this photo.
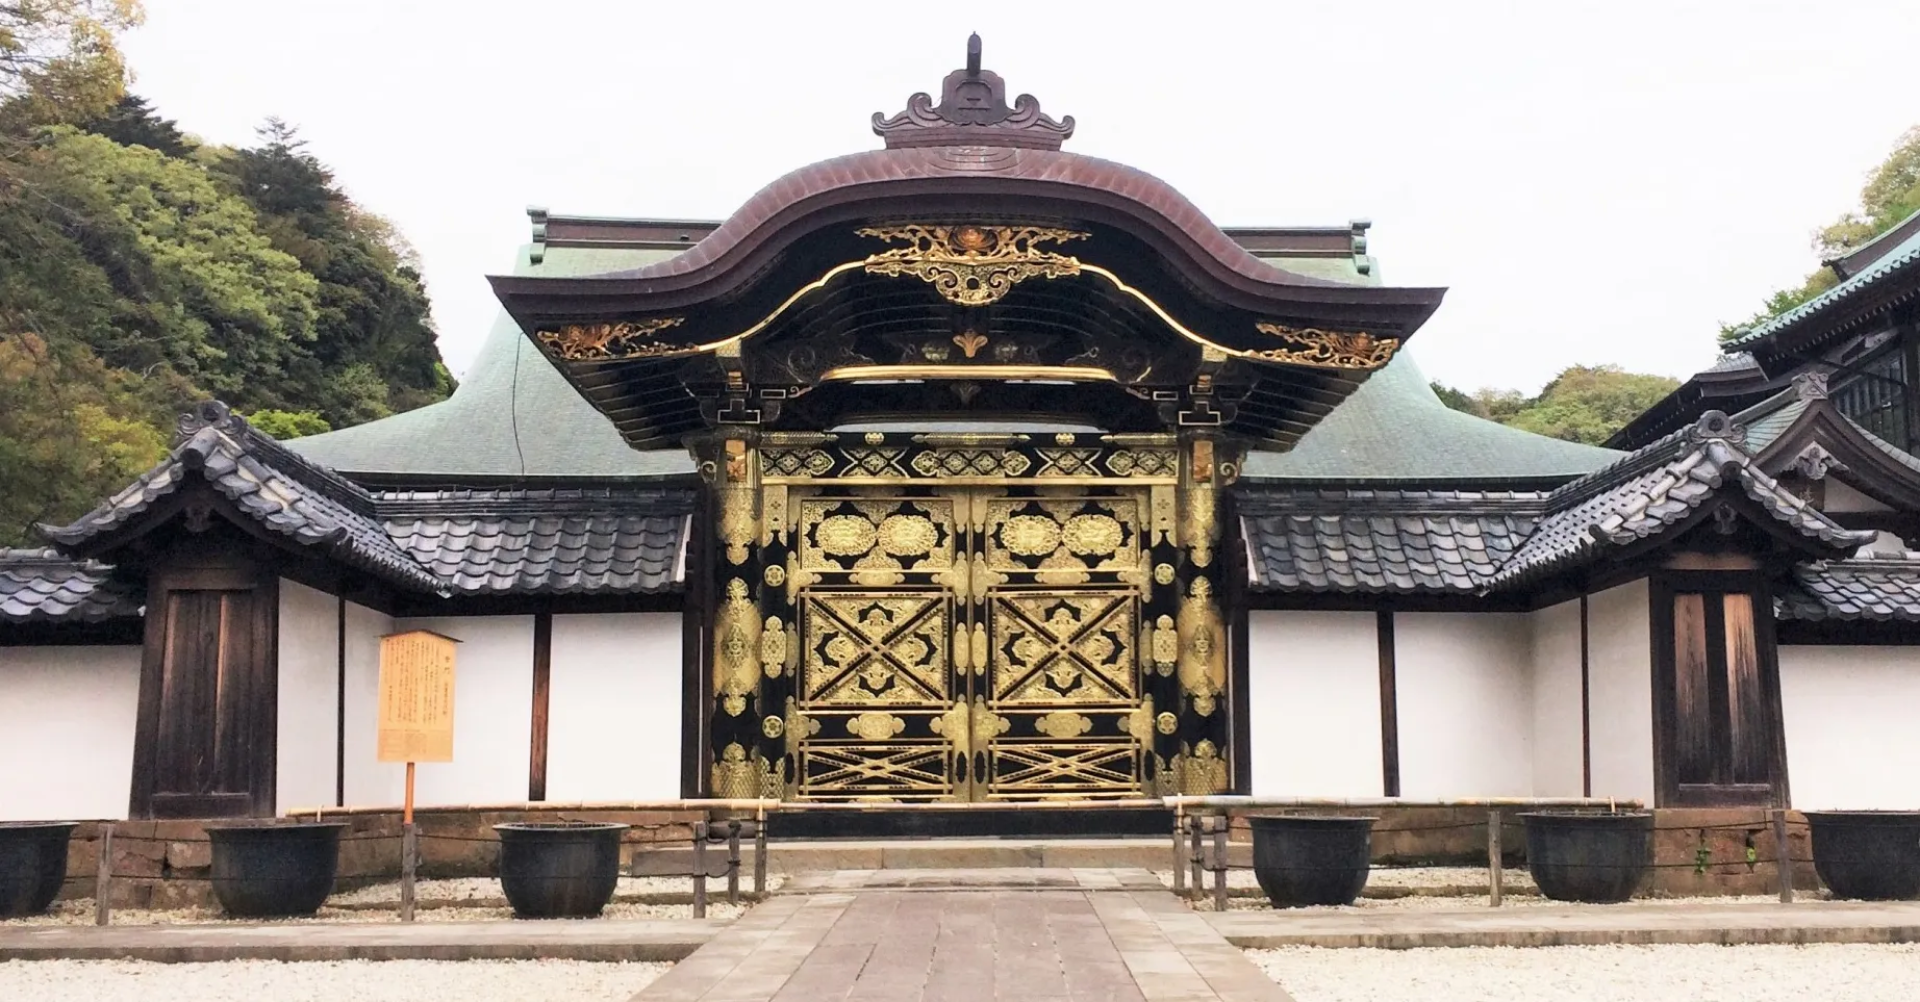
(103, 878)
(1496, 866)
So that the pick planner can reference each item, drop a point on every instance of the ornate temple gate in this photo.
(915, 617)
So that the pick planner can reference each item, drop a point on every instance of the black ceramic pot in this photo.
(1597, 858)
(1305, 860)
(559, 869)
(33, 864)
(269, 869)
(1869, 855)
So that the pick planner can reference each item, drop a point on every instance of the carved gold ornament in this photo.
(1139, 723)
(1202, 666)
(1327, 349)
(970, 342)
(599, 342)
(773, 727)
(734, 776)
(1063, 724)
(737, 649)
(875, 726)
(1092, 535)
(773, 648)
(775, 575)
(1163, 574)
(972, 265)
(1200, 771)
(1166, 723)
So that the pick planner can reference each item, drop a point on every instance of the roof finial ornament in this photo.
(973, 111)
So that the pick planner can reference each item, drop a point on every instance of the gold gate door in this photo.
(971, 644)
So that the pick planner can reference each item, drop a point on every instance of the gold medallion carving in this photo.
(1202, 659)
(736, 666)
(1063, 724)
(773, 647)
(972, 265)
(875, 726)
(773, 727)
(1166, 723)
(1163, 574)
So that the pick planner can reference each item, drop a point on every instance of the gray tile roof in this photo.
(1901, 259)
(41, 586)
(549, 541)
(286, 495)
(1430, 541)
(544, 541)
(1384, 541)
(1880, 587)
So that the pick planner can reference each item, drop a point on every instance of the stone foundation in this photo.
(165, 864)
(1697, 851)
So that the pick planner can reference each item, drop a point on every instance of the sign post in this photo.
(416, 724)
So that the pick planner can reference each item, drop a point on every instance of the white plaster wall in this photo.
(613, 708)
(1852, 738)
(1555, 656)
(307, 753)
(1313, 698)
(1620, 691)
(1465, 702)
(492, 710)
(369, 782)
(66, 731)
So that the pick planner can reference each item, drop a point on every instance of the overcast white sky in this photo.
(1600, 182)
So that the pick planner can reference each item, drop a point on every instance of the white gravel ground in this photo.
(1425, 878)
(1599, 974)
(359, 980)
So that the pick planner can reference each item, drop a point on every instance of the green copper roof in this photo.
(1394, 428)
(513, 416)
(1897, 260)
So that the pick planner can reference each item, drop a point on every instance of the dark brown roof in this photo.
(41, 586)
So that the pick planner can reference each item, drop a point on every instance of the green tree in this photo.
(58, 60)
(73, 430)
(284, 425)
(1891, 194)
(133, 122)
(1584, 403)
(374, 350)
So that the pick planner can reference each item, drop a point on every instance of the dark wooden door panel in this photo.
(204, 745)
(1693, 744)
(1718, 737)
(1750, 738)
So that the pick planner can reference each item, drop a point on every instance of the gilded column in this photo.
(1199, 765)
(737, 628)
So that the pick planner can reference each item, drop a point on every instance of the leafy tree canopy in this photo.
(142, 271)
(1891, 194)
(1584, 403)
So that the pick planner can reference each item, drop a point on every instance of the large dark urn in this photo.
(274, 869)
(559, 869)
(33, 864)
(1869, 855)
(1305, 860)
(1596, 858)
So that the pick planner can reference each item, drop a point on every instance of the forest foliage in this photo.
(1891, 194)
(1584, 403)
(142, 270)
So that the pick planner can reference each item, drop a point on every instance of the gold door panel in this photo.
(975, 643)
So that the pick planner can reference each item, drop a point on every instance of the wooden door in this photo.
(1719, 736)
(204, 747)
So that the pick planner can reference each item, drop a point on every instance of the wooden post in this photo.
(1220, 827)
(409, 857)
(1197, 831)
(1783, 855)
(760, 857)
(1496, 867)
(733, 862)
(1179, 852)
(699, 869)
(103, 878)
(406, 811)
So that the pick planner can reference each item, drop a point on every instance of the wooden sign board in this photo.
(416, 697)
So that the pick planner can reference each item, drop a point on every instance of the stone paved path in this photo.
(970, 936)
